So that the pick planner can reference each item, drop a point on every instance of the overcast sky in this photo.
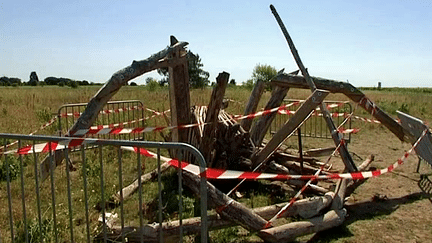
(364, 42)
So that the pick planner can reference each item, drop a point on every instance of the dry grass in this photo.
(24, 109)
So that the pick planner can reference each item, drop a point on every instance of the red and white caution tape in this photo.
(51, 146)
(49, 123)
(212, 173)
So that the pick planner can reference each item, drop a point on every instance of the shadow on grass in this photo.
(368, 209)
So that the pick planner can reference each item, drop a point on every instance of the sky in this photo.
(362, 42)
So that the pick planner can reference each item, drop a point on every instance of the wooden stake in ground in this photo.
(252, 104)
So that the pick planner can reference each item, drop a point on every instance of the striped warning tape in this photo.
(212, 173)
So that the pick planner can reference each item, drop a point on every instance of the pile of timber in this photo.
(227, 144)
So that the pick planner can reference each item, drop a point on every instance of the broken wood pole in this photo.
(179, 93)
(290, 126)
(252, 104)
(347, 89)
(337, 137)
(111, 87)
(227, 207)
(209, 134)
(259, 130)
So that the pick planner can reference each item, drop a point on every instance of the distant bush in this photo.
(5, 81)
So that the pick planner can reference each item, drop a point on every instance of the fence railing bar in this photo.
(8, 188)
(140, 199)
(104, 226)
(180, 191)
(160, 195)
(84, 172)
(120, 166)
(53, 201)
(68, 185)
(23, 194)
(38, 199)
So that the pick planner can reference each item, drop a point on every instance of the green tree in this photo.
(263, 72)
(198, 78)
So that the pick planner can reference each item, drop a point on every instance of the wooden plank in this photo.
(252, 104)
(347, 89)
(289, 127)
(261, 127)
(216, 99)
(111, 87)
(415, 128)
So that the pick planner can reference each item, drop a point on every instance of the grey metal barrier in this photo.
(315, 126)
(128, 113)
(73, 203)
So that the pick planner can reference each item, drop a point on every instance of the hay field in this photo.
(405, 217)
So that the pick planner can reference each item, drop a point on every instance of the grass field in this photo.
(405, 217)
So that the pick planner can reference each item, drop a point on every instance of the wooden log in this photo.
(296, 167)
(111, 87)
(133, 187)
(290, 126)
(228, 208)
(305, 208)
(252, 104)
(350, 91)
(207, 144)
(179, 94)
(260, 128)
(320, 152)
(289, 232)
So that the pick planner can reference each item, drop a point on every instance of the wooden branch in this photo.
(207, 144)
(111, 87)
(305, 208)
(252, 104)
(227, 207)
(261, 127)
(288, 232)
(320, 152)
(133, 187)
(290, 126)
(350, 91)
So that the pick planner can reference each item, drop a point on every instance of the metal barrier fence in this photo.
(315, 126)
(128, 113)
(70, 205)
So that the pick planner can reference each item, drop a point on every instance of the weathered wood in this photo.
(179, 94)
(111, 87)
(288, 232)
(296, 166)
(261, 127)
(252, 104)
(290, 126)
(133, 187)
(305, 208)
(207, 143)
(228, 208)
(347, 89)
(336, 136)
